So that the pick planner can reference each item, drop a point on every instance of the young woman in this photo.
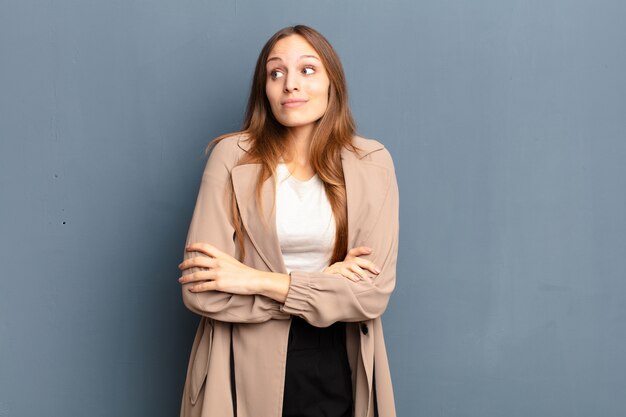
(291, 253)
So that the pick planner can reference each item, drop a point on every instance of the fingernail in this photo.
(376, 270)
(180, 279)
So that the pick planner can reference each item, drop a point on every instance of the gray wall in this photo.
(506, 123)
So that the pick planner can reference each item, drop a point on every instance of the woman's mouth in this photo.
(293, 102)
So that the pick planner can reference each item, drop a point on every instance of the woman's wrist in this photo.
(273, 285)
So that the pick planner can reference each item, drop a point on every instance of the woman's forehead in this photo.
(292, 47)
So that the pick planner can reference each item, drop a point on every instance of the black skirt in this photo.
(318, 380)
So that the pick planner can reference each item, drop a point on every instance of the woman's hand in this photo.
(224, 273)
(352, 266)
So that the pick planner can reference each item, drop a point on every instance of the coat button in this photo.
(364, 328)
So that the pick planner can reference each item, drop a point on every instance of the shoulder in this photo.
(373, 151)
(227, 151)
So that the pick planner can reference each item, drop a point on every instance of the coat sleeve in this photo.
(212, 223)
(322, 299)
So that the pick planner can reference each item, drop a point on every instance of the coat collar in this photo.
(366, 186)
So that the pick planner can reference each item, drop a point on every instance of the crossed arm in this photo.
(222, 272)
(217, 285)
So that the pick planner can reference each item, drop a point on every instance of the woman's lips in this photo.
(294, 103)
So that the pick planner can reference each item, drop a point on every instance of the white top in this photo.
(304, 222)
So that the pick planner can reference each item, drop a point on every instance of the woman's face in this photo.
(296, 73)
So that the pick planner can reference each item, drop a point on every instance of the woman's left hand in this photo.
(224, 273)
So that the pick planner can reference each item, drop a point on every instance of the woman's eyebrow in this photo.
(301, 56)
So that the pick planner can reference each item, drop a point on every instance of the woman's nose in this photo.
(291, 82)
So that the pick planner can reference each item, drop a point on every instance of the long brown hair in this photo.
(333, 131)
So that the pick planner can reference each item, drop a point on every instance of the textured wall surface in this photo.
(506, 123)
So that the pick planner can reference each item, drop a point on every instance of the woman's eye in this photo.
(275, 74)
(278, 73)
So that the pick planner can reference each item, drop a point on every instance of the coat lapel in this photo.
(366, 183)
(261, 230)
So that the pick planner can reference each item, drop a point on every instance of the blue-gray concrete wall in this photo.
(506, 123)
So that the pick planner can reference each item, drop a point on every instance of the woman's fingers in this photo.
(354, 256)
(346, 272)
(198, 276)
(358, 251)
(369, 265)
(205, 248)
(353, 269)
(356, 269)
(199, 261)
(353, 272)
(205, 286)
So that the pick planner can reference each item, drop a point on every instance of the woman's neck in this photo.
(299, 145)
(297, 157)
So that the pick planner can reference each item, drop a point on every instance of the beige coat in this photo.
(258, 326)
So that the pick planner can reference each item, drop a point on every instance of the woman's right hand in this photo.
(352, 266)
